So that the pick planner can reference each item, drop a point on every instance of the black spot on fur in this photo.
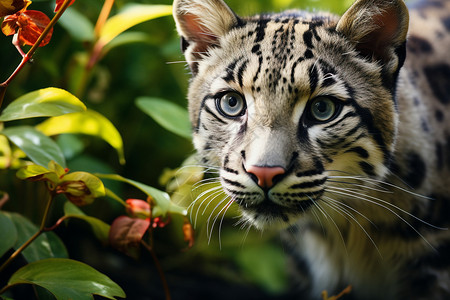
(313, 78)
(447, 151)
(328, 71)
(439, 115)
(307, 39)
(308, 54)
(438, 77)
(261, 30)
(446, 22)
(425, 126)
(256, 48)
(184, 44)
(360, 151)
(417, 170)
(419, 45)
(367, 168)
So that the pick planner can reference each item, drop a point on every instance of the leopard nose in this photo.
(264, 176)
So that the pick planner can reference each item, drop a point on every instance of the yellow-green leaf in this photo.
(37, 172)
(81, 188)
(49, 102)
(129, 17)
(88, 122)
(162, 200)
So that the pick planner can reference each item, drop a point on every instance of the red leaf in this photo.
(126, 234)
(138, 208)
(31, 25)
(10, 7)
(59, 3)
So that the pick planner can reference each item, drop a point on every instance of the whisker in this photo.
(372, 180)
(374, 201)
(203, 182)
(210, 232)
(226, 207)
(358, 195)
(379, 189)
(329, 218)
(336, 206)
(215, 194)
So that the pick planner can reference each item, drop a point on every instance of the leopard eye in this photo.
(323, 109)
(231, 105)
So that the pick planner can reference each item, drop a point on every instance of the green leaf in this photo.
(88, 122)
(47, 102)
(99, 228)
(47, 245)
(9, 234)
(162, 199)
(81, 187)
(38, 147)
(127, 38)
(132, 15)
(37, 172)
(71, 145)
(67, 279)
(78, 25)
(170, 116)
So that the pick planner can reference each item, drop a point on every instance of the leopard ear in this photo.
(378, 28)
(200, 23)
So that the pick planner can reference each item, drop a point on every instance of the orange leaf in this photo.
(10, 7)
(32, 23)
(59, 3)
(9, 25)
(188, 233)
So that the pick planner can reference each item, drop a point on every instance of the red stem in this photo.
(30, 53)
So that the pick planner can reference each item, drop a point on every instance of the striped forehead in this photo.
(277, 57)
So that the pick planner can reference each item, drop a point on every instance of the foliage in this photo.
(28, 148)
(74, 130)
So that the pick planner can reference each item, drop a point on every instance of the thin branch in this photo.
(34, 237)
(30, 53)
(104, 14)
(159, 268)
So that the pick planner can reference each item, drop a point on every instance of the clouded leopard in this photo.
(336, 129)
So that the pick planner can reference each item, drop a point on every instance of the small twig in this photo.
(33, 238)
(26, 57)
(159, 268)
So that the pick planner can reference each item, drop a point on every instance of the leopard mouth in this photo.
(270, 211)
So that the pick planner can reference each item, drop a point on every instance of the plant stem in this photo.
(2, 93)
(96, 51)
(30, 53)
(34, 237)
(159, 268)
(104, 14)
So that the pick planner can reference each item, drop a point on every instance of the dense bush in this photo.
(76, 140)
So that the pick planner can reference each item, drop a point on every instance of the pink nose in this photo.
(265, 175)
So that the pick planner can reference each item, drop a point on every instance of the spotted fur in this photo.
(363, 196)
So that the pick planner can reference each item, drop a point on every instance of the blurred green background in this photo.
(244, 266)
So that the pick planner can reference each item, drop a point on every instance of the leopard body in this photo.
(335, 130)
